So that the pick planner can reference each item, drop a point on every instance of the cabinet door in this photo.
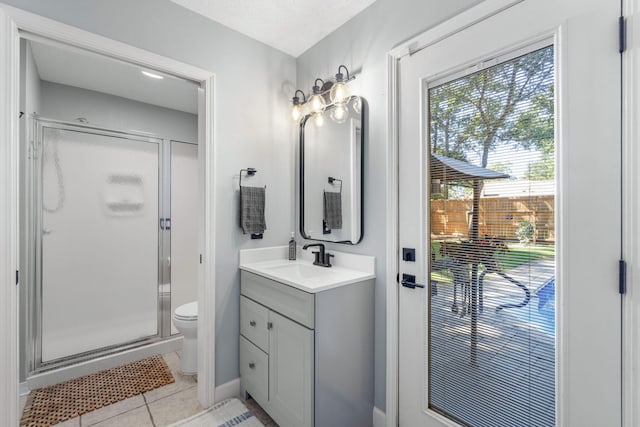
(290, 372)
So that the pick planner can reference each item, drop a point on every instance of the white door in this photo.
(532, 336)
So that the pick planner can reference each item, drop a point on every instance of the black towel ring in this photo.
(331, 180)
(249, 172)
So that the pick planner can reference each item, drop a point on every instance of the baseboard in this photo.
(379, 418)
(232, 389)
(227, 390)
(24, 389)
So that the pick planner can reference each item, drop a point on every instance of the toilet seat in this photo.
(187, 311)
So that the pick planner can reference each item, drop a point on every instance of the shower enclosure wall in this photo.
(112, 240)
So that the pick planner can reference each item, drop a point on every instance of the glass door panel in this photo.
(99, 240)
(492, 209)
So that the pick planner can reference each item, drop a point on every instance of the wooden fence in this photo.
(499, 217)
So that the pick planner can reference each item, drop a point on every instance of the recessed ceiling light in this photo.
(152, 75)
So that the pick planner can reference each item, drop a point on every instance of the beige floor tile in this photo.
(173, 361)
(135, 418)
(110, 411)
(182, 382)
(176, 407)
(73, 422)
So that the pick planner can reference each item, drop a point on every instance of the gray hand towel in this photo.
(333, 210)
(252, 210)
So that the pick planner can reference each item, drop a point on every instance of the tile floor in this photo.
(159, 407)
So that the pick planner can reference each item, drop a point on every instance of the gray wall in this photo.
(67, 103)
(362, 45)
(254, 85)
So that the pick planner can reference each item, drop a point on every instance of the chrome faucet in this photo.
(322, 258)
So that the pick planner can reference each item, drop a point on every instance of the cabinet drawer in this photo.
(253, 323)
(293, 303)
(254, 371)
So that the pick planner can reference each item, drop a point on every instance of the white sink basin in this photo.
(302, 274)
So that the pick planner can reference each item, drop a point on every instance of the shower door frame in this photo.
(15, 24)
(34, 276)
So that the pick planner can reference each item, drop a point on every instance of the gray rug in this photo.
(228, 413)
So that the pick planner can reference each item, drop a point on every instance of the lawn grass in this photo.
(517, 254)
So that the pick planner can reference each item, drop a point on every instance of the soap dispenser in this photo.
(292, 247)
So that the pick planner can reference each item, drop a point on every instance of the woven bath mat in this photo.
(60, 402)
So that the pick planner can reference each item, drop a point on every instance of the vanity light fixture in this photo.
(339, 92)
(340, 113)
(357, 104)
(317, 100)
(296, 110)
(152, 75)
(318, 119)
(338, 95)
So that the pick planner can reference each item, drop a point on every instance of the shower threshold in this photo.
(89, 363)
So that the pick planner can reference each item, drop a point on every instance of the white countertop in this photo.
(273, 264)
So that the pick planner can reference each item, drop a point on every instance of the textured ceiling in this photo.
(292, 26)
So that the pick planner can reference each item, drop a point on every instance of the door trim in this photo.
(631, 205)
(12, 22)
(455, 24)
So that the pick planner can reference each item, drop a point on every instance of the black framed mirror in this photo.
(332, 174)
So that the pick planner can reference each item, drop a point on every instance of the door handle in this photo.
(409, 281)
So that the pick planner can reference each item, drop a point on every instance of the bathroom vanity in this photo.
(306, 337)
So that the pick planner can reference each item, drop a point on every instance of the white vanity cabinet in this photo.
(307, 358)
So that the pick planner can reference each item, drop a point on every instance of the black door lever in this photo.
(409, 281)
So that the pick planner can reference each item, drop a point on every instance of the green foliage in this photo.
(542, 169)
(525, 231)
(510, 104)
(504, 167)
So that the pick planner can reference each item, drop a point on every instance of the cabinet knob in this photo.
(252, 365)
(252, 323)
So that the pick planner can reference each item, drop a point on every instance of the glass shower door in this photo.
(99, 239)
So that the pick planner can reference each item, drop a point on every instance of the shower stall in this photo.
(111, 240)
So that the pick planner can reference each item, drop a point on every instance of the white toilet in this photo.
(185, 319)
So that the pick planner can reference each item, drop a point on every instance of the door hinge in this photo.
(622, 34)
(622, 272)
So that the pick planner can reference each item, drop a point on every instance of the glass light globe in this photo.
(296, 112)
(340, 113)
(339, 92)
(318, 119)
(317, 103)
(357, 104)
